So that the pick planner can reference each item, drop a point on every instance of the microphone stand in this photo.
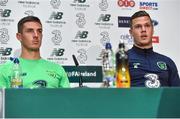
(80, 76)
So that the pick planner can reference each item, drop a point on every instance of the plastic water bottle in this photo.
(108, 64)
(16, 78)
(122, 68)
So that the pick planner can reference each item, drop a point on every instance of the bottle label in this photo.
(123, 78)
(16, 83)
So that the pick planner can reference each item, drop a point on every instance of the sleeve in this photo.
(64, 81)
(173, 75)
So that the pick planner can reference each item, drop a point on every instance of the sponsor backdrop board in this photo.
(82, 27)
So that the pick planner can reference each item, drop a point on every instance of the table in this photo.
(92, 103)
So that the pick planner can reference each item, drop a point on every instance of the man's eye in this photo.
(147, 25)
(29, 30)
(137, 26)
(40, 31)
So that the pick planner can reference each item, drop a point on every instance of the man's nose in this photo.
(35, 33)
(143, 28)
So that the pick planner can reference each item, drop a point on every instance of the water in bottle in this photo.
(16, 78)
(122, 68)
(108, 64)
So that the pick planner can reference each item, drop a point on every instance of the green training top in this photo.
(35, 73)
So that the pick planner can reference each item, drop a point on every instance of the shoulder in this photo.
(164, 57)
(51, 64)
(6, 65)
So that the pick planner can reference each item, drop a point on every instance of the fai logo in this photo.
(55, 3)
(104, 18)
(105, 38)
(3, 2)
(39, 84)
(162, 65)
(58, 52)
(82, 57)
(56, 39)
(5, 13)
(81, 20)
(4, 37)
(56, 15)
(152, 81)
(5, 51)
(103, 5)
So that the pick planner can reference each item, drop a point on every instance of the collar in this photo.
(142, 51)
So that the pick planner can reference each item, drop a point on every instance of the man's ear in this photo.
(18, 36)
(130, 31)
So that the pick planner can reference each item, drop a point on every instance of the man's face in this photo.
(142, 31)
(31, 36)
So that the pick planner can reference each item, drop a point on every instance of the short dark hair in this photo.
(27, 19)
(139, 14)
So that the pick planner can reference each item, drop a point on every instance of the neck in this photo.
(32, 55)
(143, 47)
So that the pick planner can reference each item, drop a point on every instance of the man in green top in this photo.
(36, 72)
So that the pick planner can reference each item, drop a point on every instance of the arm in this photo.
(64, 81)
(174, 79)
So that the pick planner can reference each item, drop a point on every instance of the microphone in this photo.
(77, 64)
(75, 60)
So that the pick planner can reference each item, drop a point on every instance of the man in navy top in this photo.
(148, 68)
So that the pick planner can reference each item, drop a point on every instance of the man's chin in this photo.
(34, 49)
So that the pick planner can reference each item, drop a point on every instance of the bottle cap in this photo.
(16, 61)
(108, 46)
(121, 44)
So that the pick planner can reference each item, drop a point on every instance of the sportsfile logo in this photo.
(148, 5)
(3, 2)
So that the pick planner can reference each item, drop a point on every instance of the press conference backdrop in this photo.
(82, 27)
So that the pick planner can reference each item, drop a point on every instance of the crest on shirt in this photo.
(52, 73)
(162, 65)
(152, 80)
(40, 84)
